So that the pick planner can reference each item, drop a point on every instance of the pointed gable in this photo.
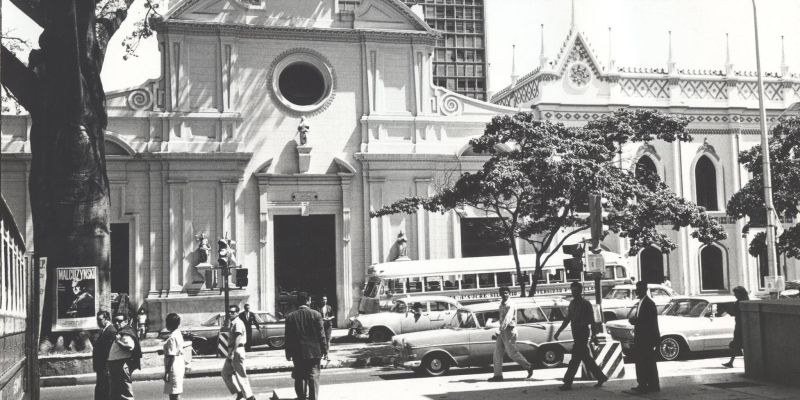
(387, 14)
(576, 49)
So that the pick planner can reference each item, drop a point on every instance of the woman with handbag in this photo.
(174, 362)
(736, 345)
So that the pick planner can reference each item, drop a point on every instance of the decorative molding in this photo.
(140, 99)
(309, 56)
(696, 89)
(645, 88)
(707, 149)
(647, 149)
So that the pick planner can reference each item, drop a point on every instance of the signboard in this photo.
(595, 263)
(774, 283)
(76, 298)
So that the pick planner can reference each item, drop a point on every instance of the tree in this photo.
(539, 174)
(748, 202)
(61, 89)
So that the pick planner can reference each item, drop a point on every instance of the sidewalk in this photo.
(678, 382)
(343, 354)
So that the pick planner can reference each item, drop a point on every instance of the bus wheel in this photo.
(551, 356)
(436, 364)
(380, 335)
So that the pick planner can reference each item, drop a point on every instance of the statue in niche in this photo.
(301, 138)
(203, 249)
(402, 247)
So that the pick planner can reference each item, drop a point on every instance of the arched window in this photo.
(712, 268)
(651, 265)
(645, 168)
(705, 180)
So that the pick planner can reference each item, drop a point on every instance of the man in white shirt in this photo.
(506, 340)
(234, 372)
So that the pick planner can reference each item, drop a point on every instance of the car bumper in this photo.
(410, 364)
(358, 333)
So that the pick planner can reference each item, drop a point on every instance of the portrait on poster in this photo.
(76, 298)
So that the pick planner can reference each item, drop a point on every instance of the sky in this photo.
(639, 35)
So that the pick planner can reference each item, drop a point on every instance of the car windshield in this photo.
(462, 319)
(619, 294)
(399, 307)
(213, 321)
(685, 307)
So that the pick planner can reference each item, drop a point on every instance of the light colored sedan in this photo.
(622, 297)
(687, 324)
(270, 334)
(409, 314)
(468, 338)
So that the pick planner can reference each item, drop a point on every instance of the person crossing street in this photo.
(234, 371)
(580, 315)
(506, 339)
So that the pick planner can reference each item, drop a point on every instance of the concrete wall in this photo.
(771, 334)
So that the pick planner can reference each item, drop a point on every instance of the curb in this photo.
(88, 379)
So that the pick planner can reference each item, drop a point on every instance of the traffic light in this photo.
(222, 253)
(574, 264)
(241, 277)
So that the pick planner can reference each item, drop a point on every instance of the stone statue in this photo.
(203, 249)
(402, 247)
(301, 138)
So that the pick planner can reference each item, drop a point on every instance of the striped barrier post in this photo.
(608, 356)
(222, 344)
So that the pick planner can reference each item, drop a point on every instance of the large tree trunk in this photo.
(68, 182)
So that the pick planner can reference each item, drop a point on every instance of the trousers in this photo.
(102, 390)
(646, 367)
(234, 374)
(580, 353)
(119, 380)
(306, 378)
(506, 343)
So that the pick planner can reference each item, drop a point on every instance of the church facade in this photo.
(575, 87)
(279, 125)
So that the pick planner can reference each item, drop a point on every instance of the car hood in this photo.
(381, 317)
(436, 336)
(619, 324)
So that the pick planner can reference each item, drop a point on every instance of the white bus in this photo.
(476, 279)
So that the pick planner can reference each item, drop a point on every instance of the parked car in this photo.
(409, 314)
(468, 339)
(621, 297)
(687, 324)
(271, 333)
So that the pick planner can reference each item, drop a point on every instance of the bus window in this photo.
(574, 276)
(557, 276)
(371, 288)
(451, 282)
(433, 283)
(469, 281)
(504, 279)
(414, 285)
(396, 285)
(485, 280)
(540, 277)
(620, 272)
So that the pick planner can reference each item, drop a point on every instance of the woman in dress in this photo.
(174, 364)
(736, 344)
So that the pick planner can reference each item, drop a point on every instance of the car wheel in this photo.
(380, 335)
(276, 342)
(436, 364)
(671, 348)
(551, 356)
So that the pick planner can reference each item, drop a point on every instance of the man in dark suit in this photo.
(305, 347)
(249, 320)
(645, 339)
(100, 354)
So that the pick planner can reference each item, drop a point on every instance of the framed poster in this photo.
(76, 298)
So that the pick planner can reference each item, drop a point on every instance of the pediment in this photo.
(281, 13)
(577, 49)
(387, 14)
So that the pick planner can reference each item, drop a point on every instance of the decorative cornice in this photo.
(294, 33)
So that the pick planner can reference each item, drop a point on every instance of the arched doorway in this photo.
(705, 180)
(712, 268)
(651, 265)
(645, 169)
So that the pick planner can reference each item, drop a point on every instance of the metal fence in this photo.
(15, 295)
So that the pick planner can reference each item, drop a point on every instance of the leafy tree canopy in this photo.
(539, 174)
(784, 147)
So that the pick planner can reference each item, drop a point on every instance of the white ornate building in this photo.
(212, 147)
(576, 86)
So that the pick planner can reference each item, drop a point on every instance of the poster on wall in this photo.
(76, 298)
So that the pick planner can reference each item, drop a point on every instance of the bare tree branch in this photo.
(19, 80)
(110, 16)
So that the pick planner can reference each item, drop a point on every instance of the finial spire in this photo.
(572, 16)
(514, 75)
(728, 64)
(610, 52)
(542, 58)
(670, 61)
(784, 67)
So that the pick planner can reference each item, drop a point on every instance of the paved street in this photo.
(696, 378)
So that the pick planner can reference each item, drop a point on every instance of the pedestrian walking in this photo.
(234, 372)
(506, 338)
(123, 359)
(100, 355)
(174, 362)
(141, 323)
(736, 345)
(249, 320)
(327, 318)
(580, 315)
(645, 339)
(305, 347)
